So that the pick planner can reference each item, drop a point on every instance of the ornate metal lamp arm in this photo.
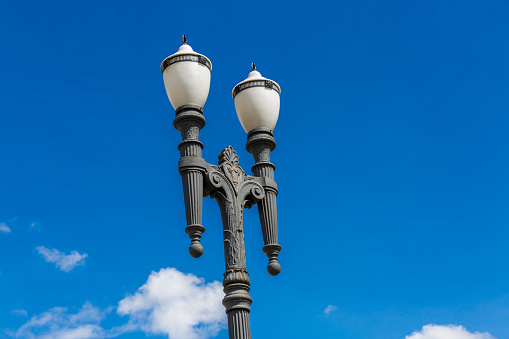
(233, 190)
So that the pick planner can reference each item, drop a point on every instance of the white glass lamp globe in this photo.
(257, 101)
(186, 76)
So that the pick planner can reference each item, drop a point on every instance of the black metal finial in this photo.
(253, 66)
(184, 39)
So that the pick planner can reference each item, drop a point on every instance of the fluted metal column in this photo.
(260, 143)
(189, 120)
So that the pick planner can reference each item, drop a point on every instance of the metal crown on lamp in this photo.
(186, 77)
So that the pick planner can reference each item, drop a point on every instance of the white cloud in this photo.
(34, 226)
(65, 262)
(58, 324)
(20, 312)
(4, 228)
(171, 303)
(177, 304)
(447, 332)
(329, 309)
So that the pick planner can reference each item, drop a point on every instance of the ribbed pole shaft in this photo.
(238, 324)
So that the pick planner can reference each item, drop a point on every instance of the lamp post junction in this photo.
(186, 76)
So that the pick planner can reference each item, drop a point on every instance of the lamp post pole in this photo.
(187, 79)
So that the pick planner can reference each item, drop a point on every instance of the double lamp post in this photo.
(186, 77)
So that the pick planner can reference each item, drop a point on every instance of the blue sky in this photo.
(391, 164)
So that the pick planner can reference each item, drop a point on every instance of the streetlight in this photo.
(186, 77)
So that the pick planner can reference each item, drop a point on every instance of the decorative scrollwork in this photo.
(233, 190)
(251, 193)
(229, 163)
(232, 276)
(231, 249)
(202, 60)
(214, 178)
(228, 155)
(192, 133)
(257, 192)
(265, 155)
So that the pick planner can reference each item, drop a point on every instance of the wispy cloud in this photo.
(65, 262)
(447, 332)
(58, 323)
(4, 228)
(19, 312)
(34, 226)
(329, 309)
(177, 304)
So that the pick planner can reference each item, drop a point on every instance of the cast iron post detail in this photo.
(233, 190)
(260, 143)
(189, 121)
